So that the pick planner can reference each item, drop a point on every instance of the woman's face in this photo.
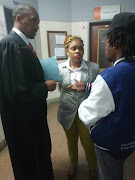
(75, 50)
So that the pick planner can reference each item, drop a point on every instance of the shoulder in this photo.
(8, 43)
(92, 65)
(62, 65)
(111, 74)
(6, 39)
(113, 70)
(119, 70)
(9, 39)
(13, 39)
(12, 45)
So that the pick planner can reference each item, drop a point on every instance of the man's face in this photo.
(29, 24)
(110, 52)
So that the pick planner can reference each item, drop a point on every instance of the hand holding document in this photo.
(51, 84)
(50, 69)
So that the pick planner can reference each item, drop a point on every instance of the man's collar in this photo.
(24, 38)
(118, 61)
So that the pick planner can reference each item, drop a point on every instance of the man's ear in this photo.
(118, 51)
(18, 18)
(116, 46)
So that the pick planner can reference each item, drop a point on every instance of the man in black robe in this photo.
(23, 94)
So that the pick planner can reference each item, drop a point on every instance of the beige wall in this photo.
(71, 28)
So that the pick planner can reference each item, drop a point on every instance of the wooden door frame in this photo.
(97, 22)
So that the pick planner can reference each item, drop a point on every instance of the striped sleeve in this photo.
(88, 87)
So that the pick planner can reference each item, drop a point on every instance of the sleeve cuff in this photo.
(87, 87)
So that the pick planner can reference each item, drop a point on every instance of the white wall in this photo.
(55, 10)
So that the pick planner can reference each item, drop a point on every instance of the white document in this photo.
(59, 51)
(60, 39)
(75, 76)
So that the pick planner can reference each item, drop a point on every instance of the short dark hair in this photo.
(21, 9)
(124, 40)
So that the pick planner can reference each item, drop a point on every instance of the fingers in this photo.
(70, 86)
(73, 86)
(78, 86)
(51, 84)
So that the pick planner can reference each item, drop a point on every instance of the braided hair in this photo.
(124, 39)
(70, 38)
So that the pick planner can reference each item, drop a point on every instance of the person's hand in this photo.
(78, 86)
(51, 85)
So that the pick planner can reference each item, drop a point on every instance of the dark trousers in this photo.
(111, 164)
(29, 146)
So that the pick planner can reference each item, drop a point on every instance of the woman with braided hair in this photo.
(77, 76)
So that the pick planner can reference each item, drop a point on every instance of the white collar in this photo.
(83, 65)
(118, 61)
(121, 59)
(24, 38)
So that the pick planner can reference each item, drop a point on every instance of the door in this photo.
(97, 44)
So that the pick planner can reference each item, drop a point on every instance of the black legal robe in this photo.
(23, 110)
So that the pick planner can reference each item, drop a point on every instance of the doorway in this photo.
(97, 42)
